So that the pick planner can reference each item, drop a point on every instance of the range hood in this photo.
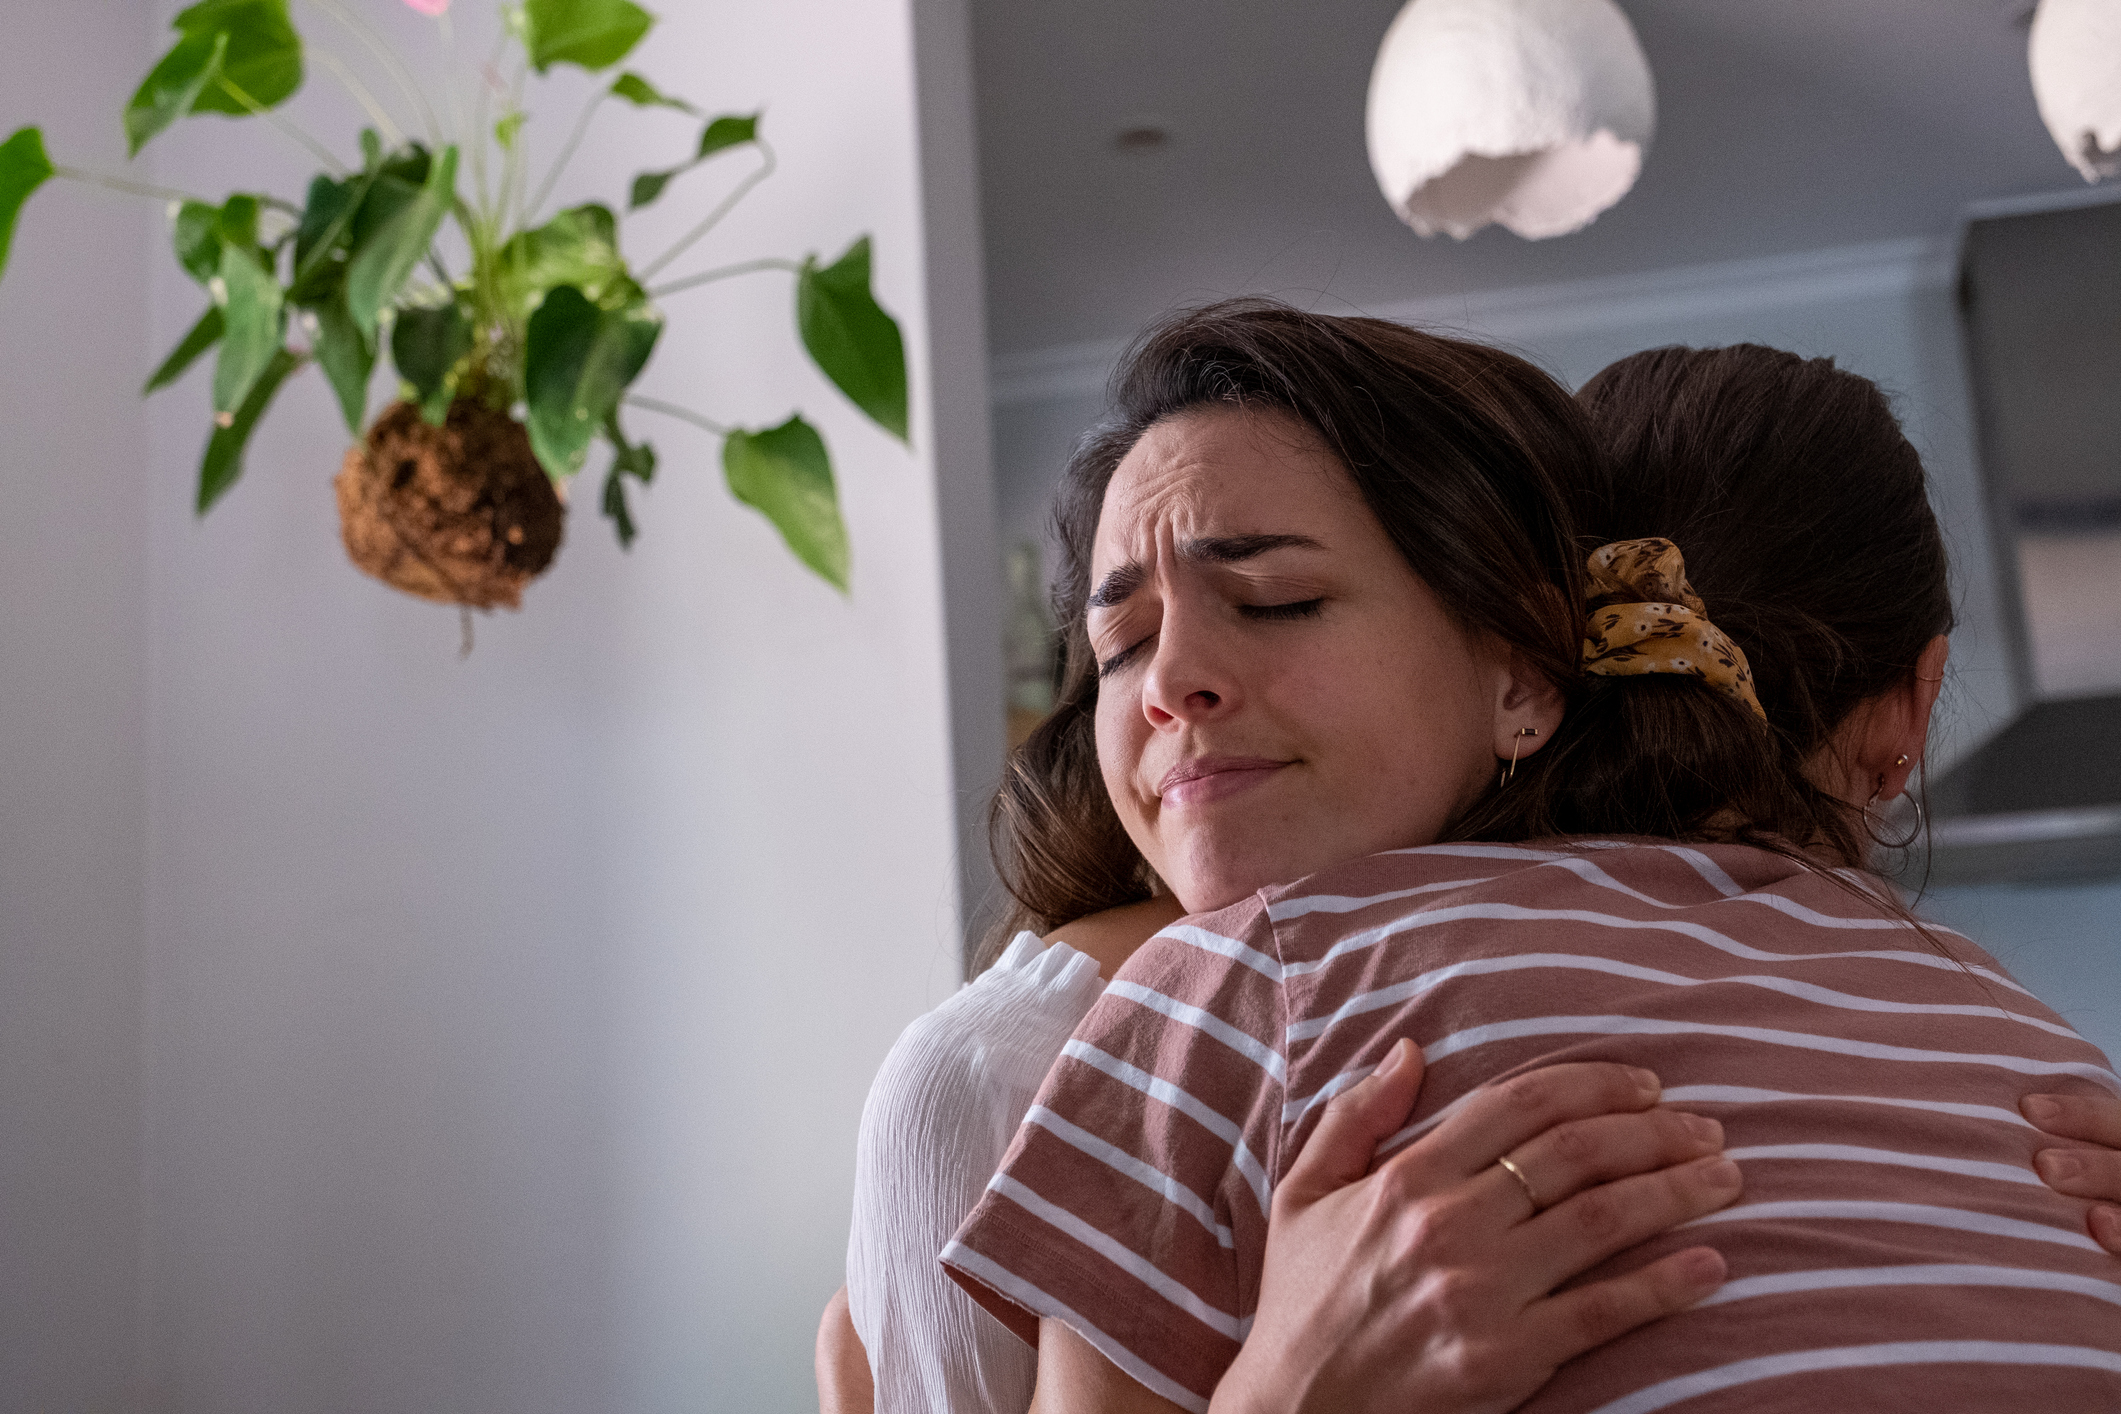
(2040, 316)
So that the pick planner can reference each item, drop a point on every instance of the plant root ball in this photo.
(460, 514)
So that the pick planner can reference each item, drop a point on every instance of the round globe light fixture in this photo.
(1533, 114)
(2075, 56)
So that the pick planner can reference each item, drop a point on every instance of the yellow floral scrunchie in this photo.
(1662, 627)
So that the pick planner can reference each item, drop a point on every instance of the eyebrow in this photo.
(1116, 587)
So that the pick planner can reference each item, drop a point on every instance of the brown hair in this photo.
(1467, 455)
(1804, 516)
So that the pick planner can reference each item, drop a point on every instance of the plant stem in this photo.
(398, 72)
(574, 140)
(673, 410)
(449, 74)
(770, 262)
(349, 81)
(482, 133)
(285, 126)
(726, 205)
(516, 176)
(75, 174)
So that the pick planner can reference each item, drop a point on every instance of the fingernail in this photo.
(1646, 1080)
(1719, 1173)
(1394, 1058)
(1707, 1130)
(2106, 1228)
(2059, 1165)
(1704, 1266)
(2040, 1109)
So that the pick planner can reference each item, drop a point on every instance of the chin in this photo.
(1223, 882)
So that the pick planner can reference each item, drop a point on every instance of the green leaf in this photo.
(577, 362)
(323, 238)
(23, 168)
(223, 462)
(203, 233)
(426, 344)
(615, 507)
(851, 338)
(172, 87)
(729, 130)
(347, 360)
(251, 326)
(382, 261)
(594, 34)
(643, 94)
(198, 246)
(203, 336)
(785, 474)
(635, 459)
(578, 247)
(647, 186)
(325, 217)
(236, 223)
(264, 53)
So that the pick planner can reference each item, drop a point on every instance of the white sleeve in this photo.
(941, 1112)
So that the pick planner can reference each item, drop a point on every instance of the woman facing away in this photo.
(980, 1056)
(1693, 900)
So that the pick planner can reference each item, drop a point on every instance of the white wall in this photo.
(1883, 310)
(507, 1020)
(72, 702)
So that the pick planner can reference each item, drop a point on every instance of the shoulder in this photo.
(992, 1040)
(1114, 935)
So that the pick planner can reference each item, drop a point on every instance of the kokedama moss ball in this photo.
(460, 514)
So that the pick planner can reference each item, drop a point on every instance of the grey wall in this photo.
(384, 1031)
(73, 687)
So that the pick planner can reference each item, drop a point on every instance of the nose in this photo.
(1192, 678)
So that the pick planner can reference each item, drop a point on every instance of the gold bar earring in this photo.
(1510, 773)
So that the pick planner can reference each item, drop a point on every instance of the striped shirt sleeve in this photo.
(1133, 1202)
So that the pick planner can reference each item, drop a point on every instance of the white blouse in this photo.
(941, 1112)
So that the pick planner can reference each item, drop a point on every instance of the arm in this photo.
(2083, 1173)
(843, 1382)
(1428, 1284)
(939, 1115)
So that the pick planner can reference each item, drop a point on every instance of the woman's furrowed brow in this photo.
(1116, 587)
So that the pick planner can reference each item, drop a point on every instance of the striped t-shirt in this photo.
(1893, 1247)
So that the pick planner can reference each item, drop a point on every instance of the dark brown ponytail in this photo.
(1804, 516)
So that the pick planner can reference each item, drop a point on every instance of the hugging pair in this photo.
(1515, 762)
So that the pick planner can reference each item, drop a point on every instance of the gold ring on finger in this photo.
(1510, 1167)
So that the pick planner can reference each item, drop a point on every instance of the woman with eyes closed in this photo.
(1297, 666)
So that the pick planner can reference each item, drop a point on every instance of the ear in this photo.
(1528, 708)
(1891, 734)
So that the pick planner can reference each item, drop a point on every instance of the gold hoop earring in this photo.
(1510, 772)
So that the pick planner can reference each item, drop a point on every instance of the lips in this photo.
(1210, 778)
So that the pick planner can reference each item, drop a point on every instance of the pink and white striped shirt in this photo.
(1893, 1248)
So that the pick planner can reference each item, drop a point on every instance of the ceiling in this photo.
(1783, 125)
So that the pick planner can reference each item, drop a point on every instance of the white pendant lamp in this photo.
(2075, 56)
(1531, 113)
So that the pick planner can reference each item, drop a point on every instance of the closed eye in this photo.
(1118, 660)
(1300, 609)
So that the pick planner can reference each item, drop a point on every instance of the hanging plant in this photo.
(515, 335)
